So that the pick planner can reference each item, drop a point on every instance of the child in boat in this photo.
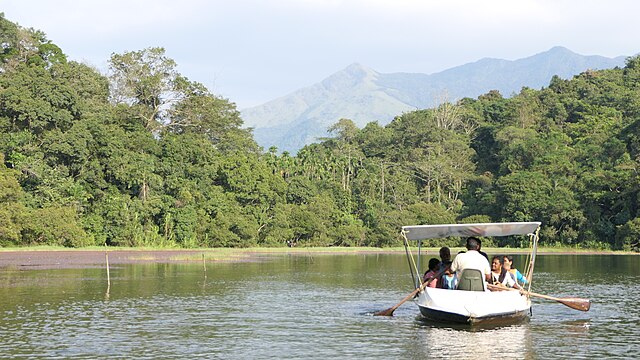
(449, 280)
(508, 265)
(434, 264)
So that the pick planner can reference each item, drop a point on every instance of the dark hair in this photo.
(433, 263)
(508, 257)
(445, 253)
(500, 259)
(473, 243)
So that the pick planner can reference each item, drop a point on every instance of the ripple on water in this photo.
(295, 309)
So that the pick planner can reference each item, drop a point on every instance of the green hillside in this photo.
(146, 157)
(364, 95)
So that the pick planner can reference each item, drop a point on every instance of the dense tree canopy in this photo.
(143, 156)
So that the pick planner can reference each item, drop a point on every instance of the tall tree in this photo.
(148, 81)
(201, 112)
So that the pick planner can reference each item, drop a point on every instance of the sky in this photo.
(253, 51)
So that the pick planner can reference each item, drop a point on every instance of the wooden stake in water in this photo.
(204, 265)
(106, 256)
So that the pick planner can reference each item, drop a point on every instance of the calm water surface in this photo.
(296, 306)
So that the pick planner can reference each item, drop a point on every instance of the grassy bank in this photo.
(59, 257)
(323, 250)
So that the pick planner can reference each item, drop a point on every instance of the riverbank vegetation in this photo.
(143, 156)
(194, 254)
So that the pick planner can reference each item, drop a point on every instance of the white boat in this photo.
(473, 307)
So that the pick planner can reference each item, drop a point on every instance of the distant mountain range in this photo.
(364, 95)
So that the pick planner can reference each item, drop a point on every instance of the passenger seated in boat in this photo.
(500, 276)
(480, 249)
(434, 265)
(445, 257)
(449, 280)
(445, 263)
(471, 260)
(508, 265)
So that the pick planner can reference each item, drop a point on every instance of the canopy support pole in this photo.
(412, 265)
(534, 243)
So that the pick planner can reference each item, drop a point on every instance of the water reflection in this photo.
(481, 342)
(303, 307)
(578, 325)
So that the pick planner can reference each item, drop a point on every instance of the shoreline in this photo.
(60, 258)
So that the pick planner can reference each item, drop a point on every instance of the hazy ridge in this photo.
(363, 95)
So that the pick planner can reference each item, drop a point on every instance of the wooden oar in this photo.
(574, 303)
(389, 311)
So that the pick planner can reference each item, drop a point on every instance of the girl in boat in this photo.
(508, 265)
(500, 276)
(434, 265)
(449, 280)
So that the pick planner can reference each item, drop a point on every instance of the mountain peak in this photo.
(351, 76)
(364, 95)
(358, 69)
(559, 50)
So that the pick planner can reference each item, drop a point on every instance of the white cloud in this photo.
(255, 50)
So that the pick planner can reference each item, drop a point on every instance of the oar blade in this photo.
(388, 312)
(576, 303)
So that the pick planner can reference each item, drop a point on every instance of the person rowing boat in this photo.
(471, 303)
(471, 259)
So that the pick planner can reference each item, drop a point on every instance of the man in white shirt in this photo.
(471, 260)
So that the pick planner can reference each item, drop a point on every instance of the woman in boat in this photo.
(434, 265)
(508, 265)
(500, 276)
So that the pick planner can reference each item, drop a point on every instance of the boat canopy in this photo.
(420, 232)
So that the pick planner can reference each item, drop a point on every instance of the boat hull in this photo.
(473, 307)
(494, 319)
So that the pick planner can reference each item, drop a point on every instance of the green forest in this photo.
(142, 156)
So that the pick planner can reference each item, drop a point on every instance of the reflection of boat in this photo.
(484, 342)
(479, 306)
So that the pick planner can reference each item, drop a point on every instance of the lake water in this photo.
(297, 306)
